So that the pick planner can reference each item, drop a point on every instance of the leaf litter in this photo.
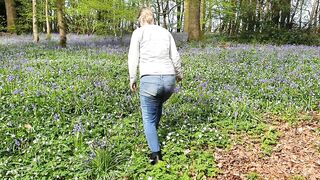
(297, 154)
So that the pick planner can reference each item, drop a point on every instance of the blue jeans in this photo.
(154, 91)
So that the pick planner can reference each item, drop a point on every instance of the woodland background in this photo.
(263, 21)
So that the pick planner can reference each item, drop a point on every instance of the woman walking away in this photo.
(154, 50)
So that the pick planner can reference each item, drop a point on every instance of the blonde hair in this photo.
(146, 16)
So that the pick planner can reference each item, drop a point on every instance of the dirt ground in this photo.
(296, 155)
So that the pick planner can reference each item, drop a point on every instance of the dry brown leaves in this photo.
(297, 153)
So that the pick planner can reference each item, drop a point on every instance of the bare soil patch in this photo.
(297, 154)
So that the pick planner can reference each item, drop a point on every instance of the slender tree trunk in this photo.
(300, 18)
(194, 21)
(11, 16)
(165, 13)
(34, 22)
(159, 12)
(61, 23)
(285, 13)
(178, 2)
(313, 16)
(47, 22)
(259, 13)
(293, 14)
(203, 11)
(210, 16)
(186, 15)
(275, 13)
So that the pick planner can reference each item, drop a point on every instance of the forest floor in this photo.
(296, 155)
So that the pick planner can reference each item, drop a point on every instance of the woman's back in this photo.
(155, 50)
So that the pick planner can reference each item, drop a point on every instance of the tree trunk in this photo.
(194, 21)
(285, 13)
(275, 13)
(11, 16)
(165, 11)
(34, 22)
(47, 22)
(61, 23)
(293, 14)
(203, 15)
(178, 2)
(186, 15)
(259, 14)
(313, 16)
(159, 12)
(251, 17)
(210, 16)
(300, 18)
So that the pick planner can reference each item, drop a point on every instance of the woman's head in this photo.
(146, 16)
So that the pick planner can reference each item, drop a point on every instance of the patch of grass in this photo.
(269, 140)
(253, 176)
(297, 177)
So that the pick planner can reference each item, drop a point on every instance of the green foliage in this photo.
(68, 113)
(101, 17)
(297, 177)
(253, 176)
(269, 140)
(277, 36)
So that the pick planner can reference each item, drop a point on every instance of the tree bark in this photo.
(275, 13)
(300, 18)
(178, 2)
(34, 22)
(186, 15)
(11, 16)
(210, 16)
(194, 21)
(47, 22)
(61, 23)
(165, 13)
(313, 16)
(203, 15)
(285, 13)
(159, 12)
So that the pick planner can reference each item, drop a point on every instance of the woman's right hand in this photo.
(133, 87)
(178, 79)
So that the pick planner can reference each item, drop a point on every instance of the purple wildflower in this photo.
(78, 128)
(92, 155)
(56, 116)
(17, 67)
(17, 142)
(30, 69)
(10, 78)
(97, 84)
(204, 84)
(177, 89)
(18, 91)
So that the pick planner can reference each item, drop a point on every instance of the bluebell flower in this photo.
(56, 116)
(97, 84)
(78, 128)
(177, 89)
(17, 67)
(30, 69)
(10, 78)
(204, 84)
(92, 155)
(17, 142)
(18, 91)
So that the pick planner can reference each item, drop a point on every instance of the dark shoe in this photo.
(155, 157)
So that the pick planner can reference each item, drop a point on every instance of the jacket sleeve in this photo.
(175, 57)
(133, 56)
